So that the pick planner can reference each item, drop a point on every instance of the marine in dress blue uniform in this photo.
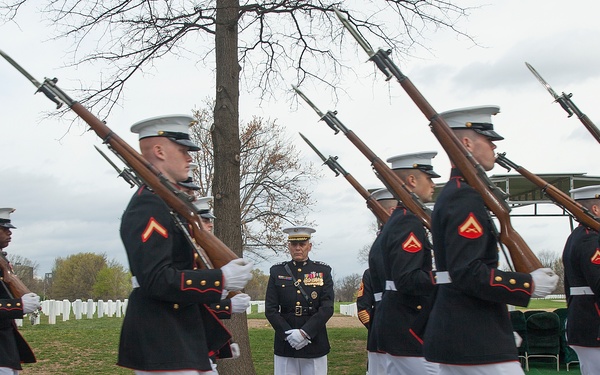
(581, 259)
(298, 304)
(469, 329)
(14, 350)
(377, 364)
(167, 326)
(407, 267)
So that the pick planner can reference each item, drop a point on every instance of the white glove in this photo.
(239, 303)
(237, 273)
(31, 302)
(518, 339)
(294, 337)
(544, 282)
(302, 344)
(297, 339)
(235, 350)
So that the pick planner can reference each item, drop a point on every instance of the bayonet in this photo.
(543, 82)
(40, 86)
(330, 117)
(567, 104)
(331, 162)
(362, 41)
(125, 173)
(307, 100)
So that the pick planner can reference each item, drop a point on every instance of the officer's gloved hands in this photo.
(297, 338)
(237, 273)
(302, 344)
(239, 303)
(544, 282)
(31, 302)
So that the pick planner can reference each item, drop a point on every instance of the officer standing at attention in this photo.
(407, 263)
(581, 259)
(469, 329)
(377, 359)
(167, 326)
(14, 350)
(298, 304)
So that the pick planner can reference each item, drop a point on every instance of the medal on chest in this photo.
(313, 278)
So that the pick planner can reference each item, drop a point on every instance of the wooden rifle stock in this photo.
(15, 286)
(582, 214)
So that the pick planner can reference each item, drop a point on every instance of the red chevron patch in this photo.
(596, 258)
(412, 244)
(470, 228)
(154, 226)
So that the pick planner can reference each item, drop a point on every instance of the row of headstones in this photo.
(260, 306)
(52, 309)
(349, 309)
(352, 310)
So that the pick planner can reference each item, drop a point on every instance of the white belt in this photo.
(581, 291)
(389, 285)
(378, 296)
(134, 282)
(442, 277)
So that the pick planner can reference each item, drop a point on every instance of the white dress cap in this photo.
(477, 118)
(298, 233)
(174, 127)
(5, 217)
(586, 192)
(416, 160)
(189, 183)
(382, 194)
(203, 207)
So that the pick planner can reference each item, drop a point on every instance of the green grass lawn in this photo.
(82, 347)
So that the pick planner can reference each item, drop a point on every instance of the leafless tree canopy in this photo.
(279, 41)
(274, 182)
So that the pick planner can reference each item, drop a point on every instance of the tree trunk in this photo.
(226, 183)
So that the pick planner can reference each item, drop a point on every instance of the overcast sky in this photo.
(69, 200)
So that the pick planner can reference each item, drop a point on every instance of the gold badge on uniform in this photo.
(314, 295)
(313, 278)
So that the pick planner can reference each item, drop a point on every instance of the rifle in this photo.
(391, 181)
(214, 252)
(522, 256)
(582, 214)
(567, 104)
(380, 213)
